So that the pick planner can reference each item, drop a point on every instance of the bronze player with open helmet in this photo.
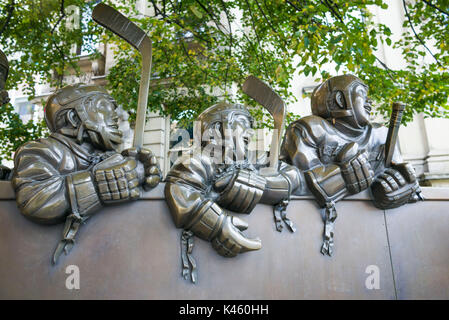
(219, 177)
(77, 170)
(341, 152)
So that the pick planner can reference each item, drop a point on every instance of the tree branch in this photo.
(293, 5)
(257, 35)
(175, 21)
(253, 46)
(60, 50)
(332, 9)
(60, 17)
(230, 38)
(416, 35)
(336, 15)
(186, 52)
(218, 24)
(211, 15)
(10, 7)
(435, 7)
(388, 70)
(270, 24)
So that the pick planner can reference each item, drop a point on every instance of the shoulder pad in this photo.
(313, 129)
(194, 169)
(49, 149)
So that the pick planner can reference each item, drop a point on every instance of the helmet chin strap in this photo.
(349, 129)
(95, 137)
(96, 141)
(76, 133)
(79, 134)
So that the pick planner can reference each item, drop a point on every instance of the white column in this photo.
(437, 133)
(156, 138)
(413, 143)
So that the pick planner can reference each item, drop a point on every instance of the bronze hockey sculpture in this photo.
(202, 188)
(77, 170)
(341, 152)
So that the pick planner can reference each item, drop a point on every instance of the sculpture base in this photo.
(132, 251)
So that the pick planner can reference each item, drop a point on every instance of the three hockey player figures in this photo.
(77, 170)
(342, 153)
(333, 153)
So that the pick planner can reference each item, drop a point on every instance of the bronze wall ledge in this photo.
(430, 194)
(132, 251)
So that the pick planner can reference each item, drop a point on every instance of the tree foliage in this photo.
(35, 37)
(203, 50)
(16, 132)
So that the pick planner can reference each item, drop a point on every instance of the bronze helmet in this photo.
(324, 96)
(221, 112)
(65, 97)
(81, 98)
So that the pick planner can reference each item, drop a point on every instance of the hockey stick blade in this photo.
(113, 20)
(264, 95)
(270, 100)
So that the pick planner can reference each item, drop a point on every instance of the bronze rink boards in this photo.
(132, 251)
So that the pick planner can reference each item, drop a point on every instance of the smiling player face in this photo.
(105, 117)
(361, 104)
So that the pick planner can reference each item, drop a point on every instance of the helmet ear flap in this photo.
(337, 106)
(340, 99)
(73, 118)
(336, 101)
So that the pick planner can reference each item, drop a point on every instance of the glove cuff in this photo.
(83, 195)
(326, 184)
(244, 192)
(207, 221)
(355, 173)
(406, 170)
